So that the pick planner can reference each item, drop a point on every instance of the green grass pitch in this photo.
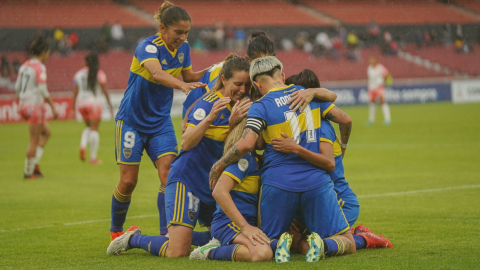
(418, 183)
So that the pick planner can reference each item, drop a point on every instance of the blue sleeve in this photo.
(257, 110)
(201, 109)
(187, 63)
(327, 132)
(243, 167)
(191, 98)
(325, 107)
(147, 51)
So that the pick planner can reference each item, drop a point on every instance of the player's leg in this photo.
(162, 149)
(85, 112)
(129, 146)
(371, 107)
(330, 234)
(44, 136)
(205, 218)
(34, 136)
(385, 107)
(94, 140)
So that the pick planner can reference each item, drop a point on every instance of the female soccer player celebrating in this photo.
(88, 82)
(187, 196)
(31, 90)
(143, 120)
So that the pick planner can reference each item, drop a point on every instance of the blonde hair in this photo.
(235, 134)
(169, 14)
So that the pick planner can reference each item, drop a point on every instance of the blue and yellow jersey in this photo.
(146, 104)
(338, 175)
(246, 173)
(289, 171)
(210, 78)
(192, 167)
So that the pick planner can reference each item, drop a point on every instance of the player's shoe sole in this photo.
(282, 253)
(316, 251)
(201, 253)
(120, 244)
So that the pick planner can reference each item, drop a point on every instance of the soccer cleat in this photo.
(316, 251)
(114, 235)
(37, 172)
(82, 154)
(352, 230)
(31, 176)
(360, 228)
(282, 253)
(369, 123)
(373, 240)
(120, 243)
(201, 253)
(95, 161)
(386, 123)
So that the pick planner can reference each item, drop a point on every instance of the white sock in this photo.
(94, 141)
(29, 165)
(386, 112)
(83, 140)
(38, 154)
(371, 112)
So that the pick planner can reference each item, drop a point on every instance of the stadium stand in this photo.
(391, 12)
(53, 13)
(240, 13)
(469, 4)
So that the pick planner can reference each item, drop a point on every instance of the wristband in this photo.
(343, 145)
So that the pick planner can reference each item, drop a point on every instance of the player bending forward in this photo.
(31, 90)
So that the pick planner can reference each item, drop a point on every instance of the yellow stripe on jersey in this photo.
(187, 68)
(148, 59)
(250, 184)
(233, 177)
(138, 68)
(211, 97)
(326, 140)
(221, 96)
(274, 131)
(327, 110)
(337, 149)
(175, 72)
(218, 133)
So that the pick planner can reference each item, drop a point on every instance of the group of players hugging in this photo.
(260, 164)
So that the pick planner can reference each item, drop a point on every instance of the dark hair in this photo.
(260, 45)
(233, 63)
(93, 65)
(305, 78)
(169, 14)
(39, 45)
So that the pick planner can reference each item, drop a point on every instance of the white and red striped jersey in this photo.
(31, 82)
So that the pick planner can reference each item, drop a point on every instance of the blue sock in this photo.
(156, 245)
(359, 241)
(161, 210)
(201, 238)
(224, 253)
(334, 245)
(120, 204)
(273, 245)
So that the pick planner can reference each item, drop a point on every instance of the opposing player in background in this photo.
(88, 82)
(377, 74)
(32, 92)
(143, 119)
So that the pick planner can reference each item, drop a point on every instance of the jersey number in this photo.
(291, 117)
(129, 140)
(193, 202)
(24, 82)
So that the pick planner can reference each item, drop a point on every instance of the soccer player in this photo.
(300, 185)
(377, 73)
(88, 82)
(236, 237)
(31, 90)
(346, 197)
(143, 119)
(187, 195)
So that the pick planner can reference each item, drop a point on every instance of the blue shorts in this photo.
(317, 207)
(224, 230)
(130, 143)
(350, 207)
(184, 208)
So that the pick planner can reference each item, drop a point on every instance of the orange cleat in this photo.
(31, 176)
(114, 235)
(82, 154)
(361, 228)
(95, 161)
(373, 240)
(37, 172)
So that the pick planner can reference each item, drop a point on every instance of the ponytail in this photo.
(93, 65)
(169, 14)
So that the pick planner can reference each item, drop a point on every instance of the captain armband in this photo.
(255, 124)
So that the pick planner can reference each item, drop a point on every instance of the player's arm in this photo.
(161, 76)
(239, 111)
(190, 76)
(221, 193)
(74, 103)
(194, 134)
(344, 123)
(238, 150)
(18, 85)
(324, 161)
(300, 99)
(42, 87)
(185, 119)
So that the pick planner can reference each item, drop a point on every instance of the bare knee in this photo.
(261, 253)
(128, 179)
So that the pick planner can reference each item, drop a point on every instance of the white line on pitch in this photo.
(416, 191)
(154, 215)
